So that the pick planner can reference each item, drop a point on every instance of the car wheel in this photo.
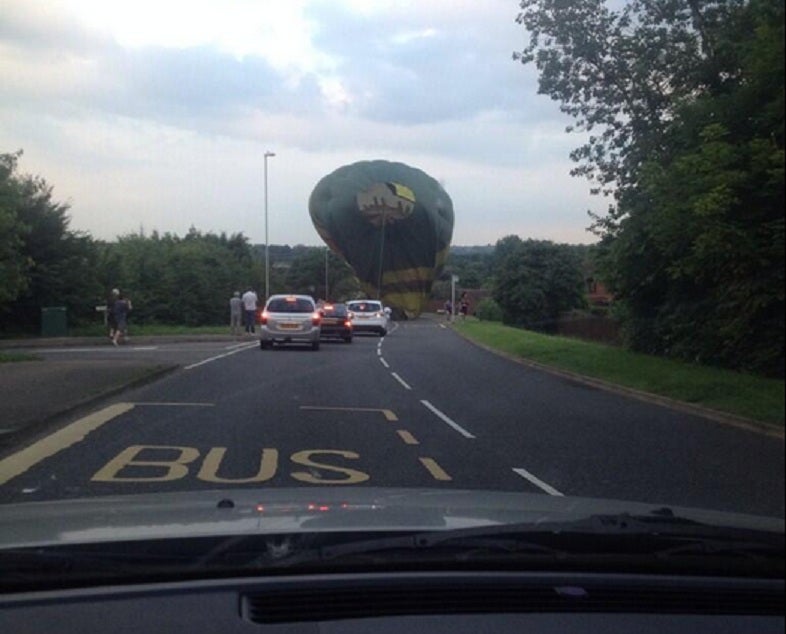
(315, 345)
(382, 332)
(264, 345)
(348, 339)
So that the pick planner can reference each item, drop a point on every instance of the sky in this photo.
(156, 115)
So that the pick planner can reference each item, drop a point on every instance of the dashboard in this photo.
(449, 602)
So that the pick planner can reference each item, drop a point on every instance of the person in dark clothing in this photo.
(121, 308)
(111, 322)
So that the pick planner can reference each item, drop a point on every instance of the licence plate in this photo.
(289, 326)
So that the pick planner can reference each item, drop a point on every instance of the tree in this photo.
(307, 275)
(536, 280)
(177, 280)
(684, 103)
(58, 264)
(13, 264)
(622, 75)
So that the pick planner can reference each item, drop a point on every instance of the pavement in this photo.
(34, 394)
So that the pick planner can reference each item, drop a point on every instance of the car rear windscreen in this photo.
(295, 305)
(365, 307)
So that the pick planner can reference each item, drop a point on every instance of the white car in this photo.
(289, 319)
(369, 315)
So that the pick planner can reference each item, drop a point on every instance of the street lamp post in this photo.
(267, 245)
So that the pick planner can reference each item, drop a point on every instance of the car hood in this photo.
(309, 510)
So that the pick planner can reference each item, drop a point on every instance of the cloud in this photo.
(414, 65)
(166, 126)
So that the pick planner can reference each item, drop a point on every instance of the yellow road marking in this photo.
(434, 469)
(388, 414)
(314, 475)
(175, 469)
(407, 437)
(18, 463)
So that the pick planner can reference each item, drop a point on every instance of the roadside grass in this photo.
(735, 393)
(11, 357)
(141, 330)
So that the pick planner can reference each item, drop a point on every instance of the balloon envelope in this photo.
(392, 223)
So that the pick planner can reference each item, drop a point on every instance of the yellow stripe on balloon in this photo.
(418, 274)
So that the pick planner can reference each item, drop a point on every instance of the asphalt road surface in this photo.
(420, 407)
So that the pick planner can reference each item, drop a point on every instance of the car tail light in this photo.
(316, 318)
(347, 323)
(263, 317)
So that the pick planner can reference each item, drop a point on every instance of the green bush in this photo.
(488, 310)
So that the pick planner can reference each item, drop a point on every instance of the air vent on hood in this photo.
(344, 601)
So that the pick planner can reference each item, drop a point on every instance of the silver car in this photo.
(368, 315)
(289, 319)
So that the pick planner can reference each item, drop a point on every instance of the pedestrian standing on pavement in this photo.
(464, 305)
(121, 308)
(235, 313)
(250, 302)
(110, 312)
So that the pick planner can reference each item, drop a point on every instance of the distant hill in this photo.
(471, 250)
(284, 252)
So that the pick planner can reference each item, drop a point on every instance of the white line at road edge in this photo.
(235, 345)
(449, 421)
(538, 482)
(220, 356)
(111, 349)
(400, 380)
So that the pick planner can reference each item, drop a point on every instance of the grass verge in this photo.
(735, 393)
(142, 330)
(10, 357)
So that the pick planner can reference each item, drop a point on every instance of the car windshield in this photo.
(366, 270)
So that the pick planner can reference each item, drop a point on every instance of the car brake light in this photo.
(263, 317)
(347, 323)
(315, 318)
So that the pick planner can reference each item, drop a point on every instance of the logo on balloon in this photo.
(385, 203)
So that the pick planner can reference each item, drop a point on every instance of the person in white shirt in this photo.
(250, 301)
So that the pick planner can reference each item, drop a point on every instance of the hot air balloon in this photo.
(392, 223)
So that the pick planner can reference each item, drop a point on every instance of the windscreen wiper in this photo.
(661, 536)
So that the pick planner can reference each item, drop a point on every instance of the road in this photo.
(420, 407)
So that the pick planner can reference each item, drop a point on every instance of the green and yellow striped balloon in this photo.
(392, 223)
